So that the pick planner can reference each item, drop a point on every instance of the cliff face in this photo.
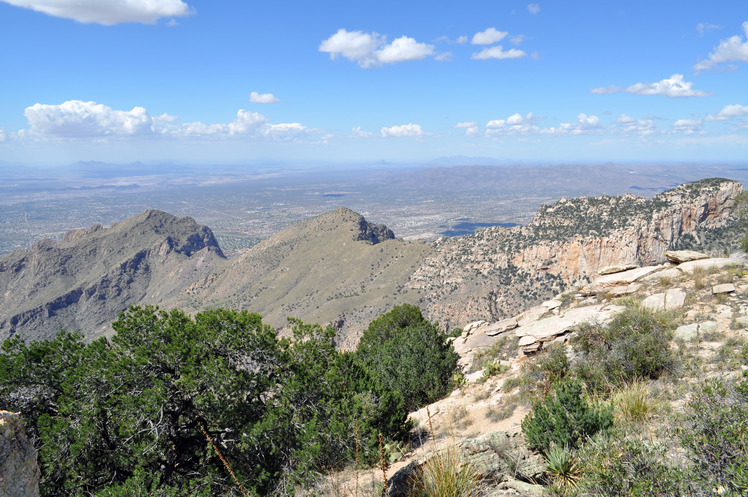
(339, 268)
(503, 270)
(87, 278)
(19, 471)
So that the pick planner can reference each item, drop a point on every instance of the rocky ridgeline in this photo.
(339, 268)
(554, 320)
(85, 280)
(709, 296)
(566, 244)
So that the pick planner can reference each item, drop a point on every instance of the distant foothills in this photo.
(340, 269)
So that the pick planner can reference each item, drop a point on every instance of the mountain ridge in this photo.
(339, 268)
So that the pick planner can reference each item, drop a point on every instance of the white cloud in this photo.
(462, 39)
(404, 49)
(585, 125)
(498, 52)
(3, 136)
(489, 36)
(471, 128)
(516, 40)
(107, 12)
(703, 27)
(674, 86)
(444, 57)
(359, 133)
(512, 125)
(87, 119)
(629, 125)
(733, 49)
(262, 98)
(687, 126)
(533, 8)
(729, 112)
(371, 50)
(77, 119)
(412, 130)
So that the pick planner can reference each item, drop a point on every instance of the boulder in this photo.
(616, 269)
(501, 327)
(723, 288)
(681, 256)
(671, 273)
(626, 277)
(673, 298)
(687, 332)
(497, 458)
(19, 471)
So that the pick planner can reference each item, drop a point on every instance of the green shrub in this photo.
(408, 356)
(631, 467)
(634, 345)
(716, 434)
(564, 419)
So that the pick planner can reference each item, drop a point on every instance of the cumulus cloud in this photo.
(471, 128)
(515, 124)
(108, 12)
(262, 98)
(77, 119)
(360, 133)
(674, 86)
(729, 112)
(498, 52)
(687, 126)
(488, 37)
(585, 125)
(733, 49)
(371, 50)
(404, 49)
(629, 125)
(411, 130)
(533, 8)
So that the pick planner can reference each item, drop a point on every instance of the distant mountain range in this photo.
(338, 268)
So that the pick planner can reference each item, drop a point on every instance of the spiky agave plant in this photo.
(563, 467)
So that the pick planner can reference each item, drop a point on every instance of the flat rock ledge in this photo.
(19, 470)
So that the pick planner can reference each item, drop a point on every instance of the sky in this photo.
(226, 81)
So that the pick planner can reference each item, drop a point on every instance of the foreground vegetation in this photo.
(597, 430)
(132, 416)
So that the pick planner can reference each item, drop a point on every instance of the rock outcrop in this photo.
(499, 461)
(19, 471)
(341, 264)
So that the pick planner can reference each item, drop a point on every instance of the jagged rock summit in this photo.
(340, 268)
(84, 280)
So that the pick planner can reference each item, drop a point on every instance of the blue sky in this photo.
(246, 82)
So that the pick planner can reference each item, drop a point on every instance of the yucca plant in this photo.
(446, 475)
(563, 467)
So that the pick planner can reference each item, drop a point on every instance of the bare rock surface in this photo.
(723, 288)
(499, 460)
(681, 256)
(711, 263)
(19, 471)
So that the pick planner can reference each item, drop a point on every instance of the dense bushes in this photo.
(634, 345)
(408, 356)
(126, 416)
(564, 419)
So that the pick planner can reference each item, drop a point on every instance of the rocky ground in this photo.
(481, 419)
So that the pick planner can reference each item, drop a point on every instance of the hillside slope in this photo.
(83, 281)
(338, 268)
